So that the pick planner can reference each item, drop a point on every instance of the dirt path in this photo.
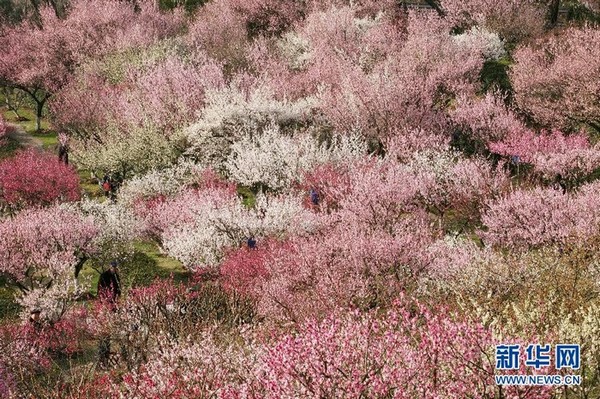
(23, 138)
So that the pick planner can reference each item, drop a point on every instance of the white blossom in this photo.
(479, 38)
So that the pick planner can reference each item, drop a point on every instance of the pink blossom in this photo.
(530, 218)
(37, 178)
(551, 154)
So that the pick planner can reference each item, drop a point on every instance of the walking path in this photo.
(23, 138)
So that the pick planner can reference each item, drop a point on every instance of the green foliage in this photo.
(248, 197)
(114, 66)
(467, 144)
(494, 76)
(577, 12)
(146, 264)
(140, 270)
(8, 147)
(9, 308)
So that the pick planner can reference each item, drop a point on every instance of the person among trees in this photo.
(63, 154)
(314, 197)
(34, 319)
(109, 284)
(560, 183)
(108, 186)
(63, 148)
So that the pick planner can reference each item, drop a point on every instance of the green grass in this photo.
(8, 147)
(141, 269)
(48, 137)
(248, 197)
(164, 262)
(88, 185)
(9, 308)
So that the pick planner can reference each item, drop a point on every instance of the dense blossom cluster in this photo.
(35, 178)
(318, 178)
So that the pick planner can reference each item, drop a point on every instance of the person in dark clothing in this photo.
(251, 241)
(314, 196)
(34, 319)
(561, 183)
(63, 154)
(109, 284)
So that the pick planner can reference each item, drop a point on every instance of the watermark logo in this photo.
(538, 356)
(566, 356)
(507, 357)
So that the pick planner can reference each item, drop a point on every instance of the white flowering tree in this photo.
(275, 160)
(233, 112)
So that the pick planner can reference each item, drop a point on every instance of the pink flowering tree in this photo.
(452, 183)
(531, 218)
(370, 244)
(514, 21)
(135, 90)
(36, 178)
(369, 99)
(553, 155)
(220, 30)
(555, 81)
(485, 119)
(41, 250)
(133, 108)
(354, 355)
(362, 68)
(89, 29)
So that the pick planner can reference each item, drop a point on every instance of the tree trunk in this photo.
(554, 7)
(38, 114)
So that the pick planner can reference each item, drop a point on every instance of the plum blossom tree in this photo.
(348, 266)
(136, 89)
(274, 160)
(268, 17)
(555, 82)
(513, 20)
(553, 155)
(486, 119)
(452, 182)
(89, 29)
(370, 244)
(220, 30)
(316, 362)
(531, 218)
(43, 250)
(481, 39)
(237, 110)
(393, 93)
(36, 178)
(162, 183)
(216, 223)
(40, 251)
(134, 108)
